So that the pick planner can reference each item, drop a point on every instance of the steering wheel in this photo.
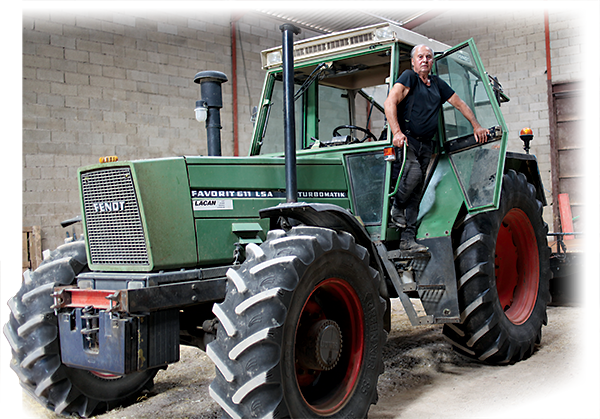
(368, 134)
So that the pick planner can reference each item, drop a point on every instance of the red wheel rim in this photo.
(517, 266)
(326, 392)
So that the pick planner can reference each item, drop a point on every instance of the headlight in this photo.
(274, 58)
(383, 34)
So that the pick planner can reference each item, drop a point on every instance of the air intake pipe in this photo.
(208, 108)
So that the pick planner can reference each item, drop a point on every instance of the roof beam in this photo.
(421, 18)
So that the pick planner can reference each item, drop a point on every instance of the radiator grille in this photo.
(114, 226)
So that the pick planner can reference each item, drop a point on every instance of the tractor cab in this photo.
(340, 84)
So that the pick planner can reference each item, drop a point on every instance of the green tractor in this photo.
(282, 265)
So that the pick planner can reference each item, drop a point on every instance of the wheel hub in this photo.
(322, 347)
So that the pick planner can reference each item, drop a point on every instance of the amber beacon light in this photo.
(526, 135)
(108, 159)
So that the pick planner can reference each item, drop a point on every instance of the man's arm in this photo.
(397, 95)
(479, 132)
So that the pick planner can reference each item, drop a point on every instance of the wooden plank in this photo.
(566, 145)
(35, 247)
(573, 246)
(570, 163)
(569, 135)
(568, 109)
(574, 187)
(32, 247)
(566, 218)
(25, 245)
(567, 87)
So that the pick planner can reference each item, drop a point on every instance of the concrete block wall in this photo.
(103, 83)
(512, 47)
(566, 47)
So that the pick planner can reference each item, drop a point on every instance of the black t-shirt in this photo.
(418, 112)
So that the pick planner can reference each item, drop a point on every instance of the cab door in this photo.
(478, 167)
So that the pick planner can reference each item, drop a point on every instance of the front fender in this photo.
(328, 216)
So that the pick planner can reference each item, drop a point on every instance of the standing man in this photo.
(420, 96)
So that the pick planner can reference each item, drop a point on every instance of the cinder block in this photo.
(76, 55)
(113, 29)
(75, 32)
(100, 150)
(89, 21)
(77, 102)
(114, 117)
(102, 82)
(114, 139)
(571, 50)
(101, 15)
(89, 137)
(51, 100)
(102, 127)
(125, 129)
(62, 41)
(123, 19)
(50, 51)
(39, 160)
(51, 124)
(197, 24)
(80, 126)
(49, 27)
(167, 28)
(62, 137)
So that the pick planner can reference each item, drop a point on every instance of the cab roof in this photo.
(347, 41)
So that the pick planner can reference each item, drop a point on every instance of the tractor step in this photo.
(403, 284)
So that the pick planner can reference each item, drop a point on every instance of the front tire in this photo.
(32, 332)
(502, 262)
(301, 329)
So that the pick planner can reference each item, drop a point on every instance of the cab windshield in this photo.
(336, 103)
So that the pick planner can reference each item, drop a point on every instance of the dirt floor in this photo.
(423, 378)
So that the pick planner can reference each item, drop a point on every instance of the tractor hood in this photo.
(150, 215)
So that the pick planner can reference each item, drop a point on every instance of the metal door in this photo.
(478, 167)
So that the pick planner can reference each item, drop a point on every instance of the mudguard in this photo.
(325, 215)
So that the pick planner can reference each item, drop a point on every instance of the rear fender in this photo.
(528, 165)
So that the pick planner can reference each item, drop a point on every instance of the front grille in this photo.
(114, 226)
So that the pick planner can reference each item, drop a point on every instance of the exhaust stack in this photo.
(289, 125)
(209, 107)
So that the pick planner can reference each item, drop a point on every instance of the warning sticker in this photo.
(212, 204)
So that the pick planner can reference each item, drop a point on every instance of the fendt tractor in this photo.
(282, 265)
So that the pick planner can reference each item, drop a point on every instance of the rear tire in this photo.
(301, 329)
(32, 331)
(502, 262)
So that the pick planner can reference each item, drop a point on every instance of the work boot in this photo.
(398, 217)
(412, 246)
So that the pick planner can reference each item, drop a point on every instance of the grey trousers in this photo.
(408, 197)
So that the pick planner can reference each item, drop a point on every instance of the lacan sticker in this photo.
(212, 204)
